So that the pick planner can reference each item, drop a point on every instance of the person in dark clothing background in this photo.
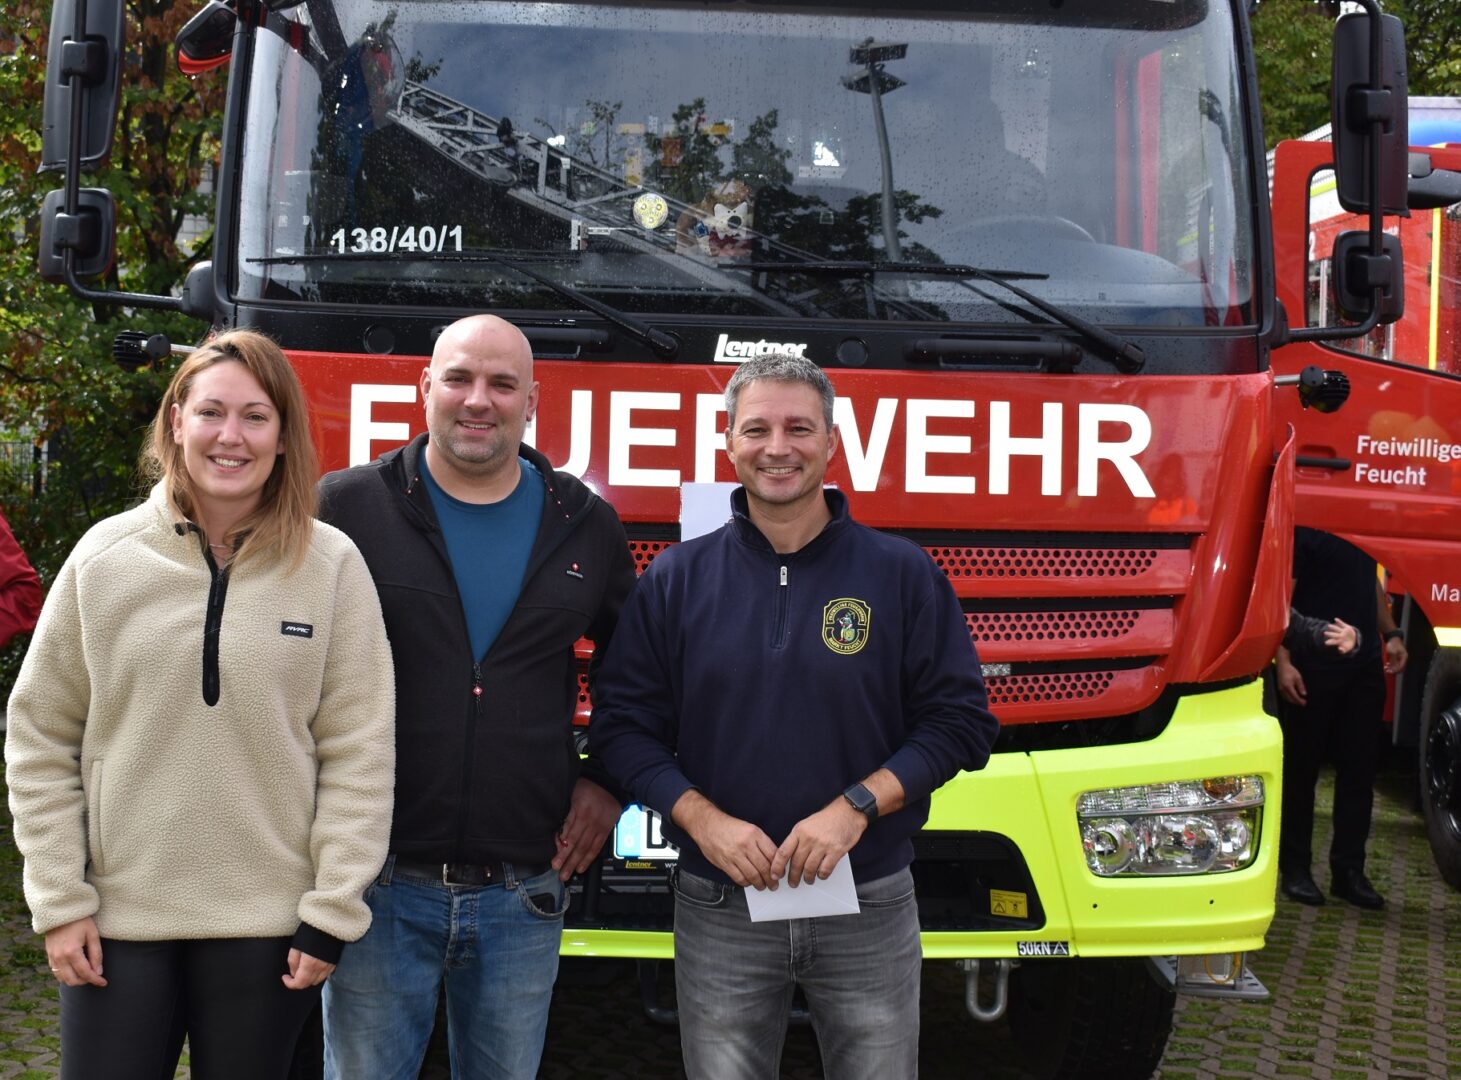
(1334, 702)
(1306, 635)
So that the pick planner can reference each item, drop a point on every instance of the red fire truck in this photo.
(1385, 472)
(1030, 244)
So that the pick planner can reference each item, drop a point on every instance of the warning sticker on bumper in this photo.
(1043, 948)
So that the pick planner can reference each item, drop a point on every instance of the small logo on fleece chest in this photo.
(845, 624)
(296, 629)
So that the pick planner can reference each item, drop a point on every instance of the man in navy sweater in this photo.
(787, 691)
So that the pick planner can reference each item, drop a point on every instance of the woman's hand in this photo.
(305, 971)
(74, 953)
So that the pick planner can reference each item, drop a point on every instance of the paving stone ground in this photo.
(1354, 994)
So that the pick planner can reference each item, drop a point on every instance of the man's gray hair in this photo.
(783, 366)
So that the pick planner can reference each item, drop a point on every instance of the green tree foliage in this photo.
(1292, 40)
(687, 164)
(1432, 44)
(597, 140)
(59, 388)
(757, 159)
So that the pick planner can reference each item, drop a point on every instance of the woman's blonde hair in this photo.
(280, 526)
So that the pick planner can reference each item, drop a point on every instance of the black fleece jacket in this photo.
(485, 756)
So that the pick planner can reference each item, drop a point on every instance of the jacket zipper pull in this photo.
(477, 681)
(783, 575)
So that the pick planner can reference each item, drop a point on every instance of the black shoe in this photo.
(1300, 886)
(1352, 885)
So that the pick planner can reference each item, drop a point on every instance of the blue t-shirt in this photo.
(489, 545)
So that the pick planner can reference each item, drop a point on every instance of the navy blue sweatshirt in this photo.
(771, 682)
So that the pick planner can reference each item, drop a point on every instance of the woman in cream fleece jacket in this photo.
(200, 749)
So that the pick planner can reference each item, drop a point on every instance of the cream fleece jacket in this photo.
(163, 817)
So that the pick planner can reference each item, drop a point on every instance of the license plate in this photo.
(639, 836)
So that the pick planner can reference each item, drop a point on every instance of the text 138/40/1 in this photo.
(427, 239)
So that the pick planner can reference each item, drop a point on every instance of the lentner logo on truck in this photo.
(733, 352)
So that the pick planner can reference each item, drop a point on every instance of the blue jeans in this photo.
(494, 947)
(734, 981)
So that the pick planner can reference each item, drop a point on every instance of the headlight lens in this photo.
(1187, 827)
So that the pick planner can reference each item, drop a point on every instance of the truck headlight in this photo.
(1187, 827)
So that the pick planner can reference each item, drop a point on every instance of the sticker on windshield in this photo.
(650, 210)
(426, 239)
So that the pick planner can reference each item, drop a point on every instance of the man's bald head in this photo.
(479, 395)
(485, 334)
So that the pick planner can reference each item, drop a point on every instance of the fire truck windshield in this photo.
(681, 160)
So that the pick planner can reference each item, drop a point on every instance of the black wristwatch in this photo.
(863, 801)
(1390, 635)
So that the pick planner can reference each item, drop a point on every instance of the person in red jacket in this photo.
(20, 588)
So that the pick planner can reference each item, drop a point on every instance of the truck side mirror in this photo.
(1431, 188)
(91, 232)
(1357, 105)
(1357, 274)
(206, 40)
(94, 56)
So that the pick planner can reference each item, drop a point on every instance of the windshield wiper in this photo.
(1124, 355)
(853, 267)
(663, 345)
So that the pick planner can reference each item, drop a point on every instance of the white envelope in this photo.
(837, 895)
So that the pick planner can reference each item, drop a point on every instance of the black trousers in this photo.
(1342, 721)
(224, 994)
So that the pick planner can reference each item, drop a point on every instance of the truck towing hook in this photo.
(995, 1009)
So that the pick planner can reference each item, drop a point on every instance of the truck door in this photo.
(1384, 471)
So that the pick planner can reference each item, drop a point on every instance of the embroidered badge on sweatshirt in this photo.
(845, 623)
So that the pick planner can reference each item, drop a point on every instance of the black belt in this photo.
(470, 874)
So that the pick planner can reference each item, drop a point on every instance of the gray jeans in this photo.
(734, 981)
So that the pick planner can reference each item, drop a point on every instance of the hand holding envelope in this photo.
(836, 895)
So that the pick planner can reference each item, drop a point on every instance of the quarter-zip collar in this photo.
(747, 533)
(783, 563)
(217, 593)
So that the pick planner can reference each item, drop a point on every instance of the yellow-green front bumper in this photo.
(1031, 799)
